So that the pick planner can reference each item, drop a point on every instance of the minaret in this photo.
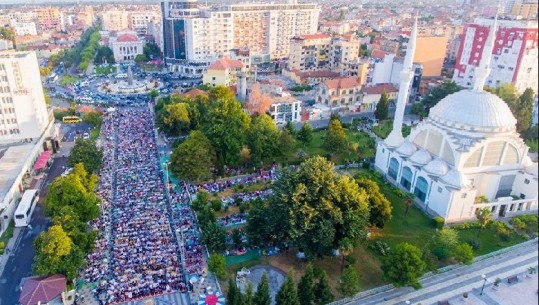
(395, 138)
(483, 69)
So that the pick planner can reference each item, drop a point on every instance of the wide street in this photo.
(21, 254)
(451, 284)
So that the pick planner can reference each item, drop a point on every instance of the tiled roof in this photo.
(127, 38)
(378, 54)
(342, 83)
(42, 289)
(318, 73)
(315, 36)
(225, 63)
(378, 89)
(195, 92)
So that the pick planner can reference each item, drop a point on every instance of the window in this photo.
(526, 181)
(406, 178)
(421, 188)
(493, 209)
(522, 196)
(393, 168)
(440, 189)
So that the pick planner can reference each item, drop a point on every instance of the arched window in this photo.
(511, 155)
(473, 160)
(493, 153)
(393, 168)
(406, 178)
(421, 188)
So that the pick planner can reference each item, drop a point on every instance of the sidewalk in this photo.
(11, 245)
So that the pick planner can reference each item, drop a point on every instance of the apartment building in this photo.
(24, 28)
(200, 35)
(524, 9)
(23, 112)
(284, 109)
(49, 18)
(115, 20)
(514, 57)
(223, 72)
(370, 95)
(340, 93)
(140, 20)
(323, 51)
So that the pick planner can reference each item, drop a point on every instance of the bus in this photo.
(26, 208)
(71, 119)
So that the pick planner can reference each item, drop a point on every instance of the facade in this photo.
(24, 28)
(467, 155)
(223, 72)
(514, 58)
(49, 18)
(140, 20)
(430, 54)
(340, 93)
(525, 9)
(23, 112)
(115, 20)
(370, 95)
(202, 35)
(388, 72)
(285, 109)
(126, 47)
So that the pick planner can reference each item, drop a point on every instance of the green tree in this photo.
(287, 294)
(524, 110)
(153, 94)
(193, 159)
(214, 237)
(52, 247)
(236, 238)
(484, 216)
(262, 295)
(418, 109)
(380, 207)
(104, 54)
(46, 96)
(233, 295)
(463, 253)
(176, 118)
(316, 208)
(249, 297)
(305, 134)
(382, 107)
(152, 51)
(447, 238)
(286, 144)
(7, 34)
(226, 125)
(216, 264)
(290, 127)
(141, 58)
(259, 226)
(437, 94)
(349, 284)
(322, 290)
(403, 266)
(306, 286)
(85, 151)
(335, 140)
(93, 118)
(262, 139)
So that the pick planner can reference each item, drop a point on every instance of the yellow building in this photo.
(525, 10)
(223, 72)
(430, 53)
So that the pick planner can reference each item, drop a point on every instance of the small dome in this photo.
(533, 170)
(455, 179)
(406, 149)
(436, 167)
(475, 111)
(421, 157)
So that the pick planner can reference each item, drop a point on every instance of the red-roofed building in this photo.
(194, 93)
(223, 72)
(42, 289)
(378, 54)
(340, 93)
(372, 94)
(126, 46)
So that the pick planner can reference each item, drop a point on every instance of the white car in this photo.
(86, 136)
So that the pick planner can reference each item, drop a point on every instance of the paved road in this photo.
(445, 285)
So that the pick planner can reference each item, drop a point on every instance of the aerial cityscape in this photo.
(285, 152)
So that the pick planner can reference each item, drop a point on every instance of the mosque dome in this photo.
(455, 179)
(474, 110)
(436, 167)
(406, 149)
(421, 157)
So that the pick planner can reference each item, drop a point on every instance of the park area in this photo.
(413, 227)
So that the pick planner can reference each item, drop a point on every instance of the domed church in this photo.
(465, 156)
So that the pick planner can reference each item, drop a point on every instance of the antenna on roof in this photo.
(483, 69)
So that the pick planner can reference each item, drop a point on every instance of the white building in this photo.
(514, 56)
(24, 28)
(139, 20)
(201, 35)
(285, 109)
(115, 20)
(126, 47)
(466, 151)
(23, 112)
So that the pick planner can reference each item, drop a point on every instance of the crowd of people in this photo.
(233, 220)
(218, 186)
(137, 254)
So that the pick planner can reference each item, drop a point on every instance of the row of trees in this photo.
(71, 203)
(312, 289)
(74, 55)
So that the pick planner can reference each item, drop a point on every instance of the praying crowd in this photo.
(137, 254)
(220, 185)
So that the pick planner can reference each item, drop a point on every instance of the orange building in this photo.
(430, 53)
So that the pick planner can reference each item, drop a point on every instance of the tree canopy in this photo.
(287, 294)
(86, 152)
(317, 208)
(382, 107)
(403, 265)
(335, 139)
(380, 207)
(305, 134)
(262, 139)
(437, 94)
(193, 159)
(262, 295)
(349, 284)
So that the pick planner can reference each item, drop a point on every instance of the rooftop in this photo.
(378, 89)
(225, 63)
(342, 83)
(11, 160)
(127, 38)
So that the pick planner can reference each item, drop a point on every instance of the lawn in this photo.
(8, 233)
(68, 79)
(94, 133)
(489, 239)
(105, 70)
(385, 127)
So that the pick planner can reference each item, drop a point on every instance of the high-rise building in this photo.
(115, 20)
(514, 56)
(197, 34)
(524, 9)
(23, 112)
(49, 18)
(139, 20)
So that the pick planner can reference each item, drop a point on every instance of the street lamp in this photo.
(485, 279)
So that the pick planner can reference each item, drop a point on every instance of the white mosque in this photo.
(465, 156)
